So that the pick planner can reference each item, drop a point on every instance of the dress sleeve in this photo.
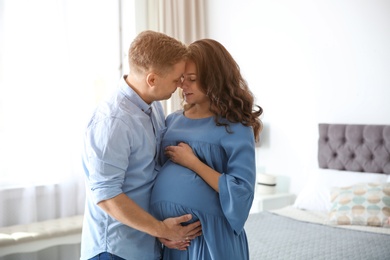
(236, 185)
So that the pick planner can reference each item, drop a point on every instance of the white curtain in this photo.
(184, 20)
(58, 58)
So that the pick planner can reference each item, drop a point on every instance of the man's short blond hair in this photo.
(155, 51)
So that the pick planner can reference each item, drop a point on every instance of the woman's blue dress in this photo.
(178, 190)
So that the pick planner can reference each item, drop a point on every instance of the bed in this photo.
(343, 211)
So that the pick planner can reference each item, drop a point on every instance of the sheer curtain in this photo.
(58, 58)
(184, 20)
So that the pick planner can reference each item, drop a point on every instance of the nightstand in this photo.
(263, 202)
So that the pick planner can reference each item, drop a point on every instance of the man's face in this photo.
(167, 85)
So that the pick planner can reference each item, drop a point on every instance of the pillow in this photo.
(316, 193)
(364, 204)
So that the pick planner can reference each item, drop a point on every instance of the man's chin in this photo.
(167, 97)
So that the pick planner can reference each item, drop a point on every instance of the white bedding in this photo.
(321, 217)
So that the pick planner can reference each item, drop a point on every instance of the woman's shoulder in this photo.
(175, 114)
(238, 126)
(236, 131)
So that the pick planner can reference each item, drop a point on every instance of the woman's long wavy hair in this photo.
(220, 79)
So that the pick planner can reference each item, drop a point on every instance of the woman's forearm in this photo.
(206, 173)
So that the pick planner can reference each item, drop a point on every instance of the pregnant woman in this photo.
(209, 168)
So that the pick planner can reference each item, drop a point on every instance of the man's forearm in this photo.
(125, 210)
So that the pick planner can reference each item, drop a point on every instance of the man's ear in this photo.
(151, 79)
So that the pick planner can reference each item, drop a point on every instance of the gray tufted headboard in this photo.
(358, 148)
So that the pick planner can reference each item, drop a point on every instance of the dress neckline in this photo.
(200, 118)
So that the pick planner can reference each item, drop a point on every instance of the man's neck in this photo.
(137, 86)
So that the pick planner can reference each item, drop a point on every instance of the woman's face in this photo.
(192, 92)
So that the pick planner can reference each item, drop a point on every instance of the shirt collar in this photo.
(134, 97)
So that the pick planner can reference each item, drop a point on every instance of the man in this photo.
(121, 148)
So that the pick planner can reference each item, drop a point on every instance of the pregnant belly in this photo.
(181, 186)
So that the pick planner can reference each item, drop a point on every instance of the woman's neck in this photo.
(196, 112)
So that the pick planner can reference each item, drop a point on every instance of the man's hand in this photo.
(179, 245)
(178, 232)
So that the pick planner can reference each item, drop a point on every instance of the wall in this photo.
(307, 62)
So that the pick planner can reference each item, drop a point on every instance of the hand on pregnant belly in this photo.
(194, 230)
(181, 154)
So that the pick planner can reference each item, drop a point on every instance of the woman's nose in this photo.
(182, 85)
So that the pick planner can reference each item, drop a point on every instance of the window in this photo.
(57, 60)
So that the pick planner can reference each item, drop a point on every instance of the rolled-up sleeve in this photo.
(108, 152)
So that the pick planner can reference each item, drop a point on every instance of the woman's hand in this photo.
(181, 154)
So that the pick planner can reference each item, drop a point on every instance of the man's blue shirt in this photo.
(120, 156)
